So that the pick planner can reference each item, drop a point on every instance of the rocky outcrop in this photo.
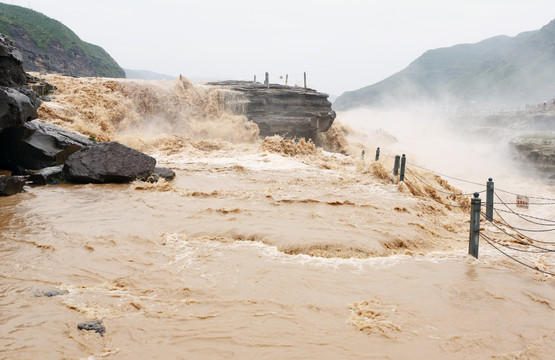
(537, 150)
(292, 112)
(108, 162)
(37, 145)
(18, 104)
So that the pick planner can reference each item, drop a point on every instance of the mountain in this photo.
(500, 70)
(49, 46)
(147, 75)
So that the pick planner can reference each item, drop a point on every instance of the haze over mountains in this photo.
(499, 71)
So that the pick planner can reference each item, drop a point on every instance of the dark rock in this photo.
(153, 178)
(95, 326)
(108, 162)
(50, 293)
(10, 185)
(16, 107)
(47, 175)
(289, 111)
(21, 171)
(18, 104)
(43, 88)
(37, 145)
(12, 73)
(164, 173)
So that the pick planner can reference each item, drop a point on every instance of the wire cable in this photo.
(520, 215)
(521, 234)
(516, 249)
(531, 203)
(514, 259)
(447, 176)
(519, 240)
(441, 191)
(529, 196)
(517, 229)
(523, 215)
(439, 202)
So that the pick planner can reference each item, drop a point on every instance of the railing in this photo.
(515, 233)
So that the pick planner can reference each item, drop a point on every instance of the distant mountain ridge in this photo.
(49, 46)
(499, 70)
(147, 75)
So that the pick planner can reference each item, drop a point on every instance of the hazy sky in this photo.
(341, 44)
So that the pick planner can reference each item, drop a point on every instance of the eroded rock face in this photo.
(289, 111)
(18, 104)
(108, 162)
(537, 150)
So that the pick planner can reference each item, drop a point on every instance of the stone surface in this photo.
(11, 185)
(108, 162)
(18, 104)
(95, 326)
(47, 175)
(37, 145)
(164, 173)
(51, 292)
(289, 111)
(537, 150)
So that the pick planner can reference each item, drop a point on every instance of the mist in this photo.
(446, 143)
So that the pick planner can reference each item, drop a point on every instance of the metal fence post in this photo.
(475, 205)
(377, 154)
(403, 162)
(396, 165)
(305, 80)
(489, 200)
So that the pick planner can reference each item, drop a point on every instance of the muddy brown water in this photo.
(253, 255)
(262, 250)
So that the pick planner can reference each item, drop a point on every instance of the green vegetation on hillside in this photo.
(44, 30)
(500, 70)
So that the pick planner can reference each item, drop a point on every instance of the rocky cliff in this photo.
(18, 104)
(47, 45)
(293, 112)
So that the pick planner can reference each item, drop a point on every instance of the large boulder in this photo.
(108, 162)
(37, 145)
(10, 185)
